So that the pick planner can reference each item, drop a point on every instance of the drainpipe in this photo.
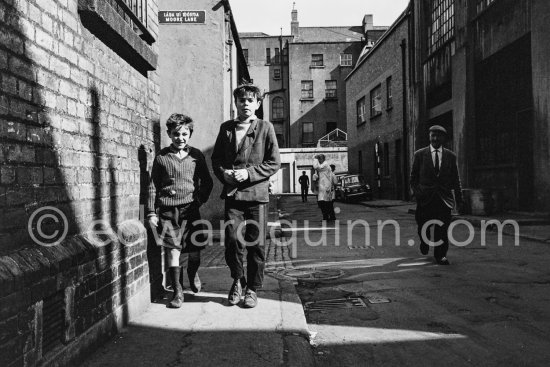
(405, 133)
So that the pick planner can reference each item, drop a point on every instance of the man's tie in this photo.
(436, 163)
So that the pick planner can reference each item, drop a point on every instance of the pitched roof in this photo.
(330, 34)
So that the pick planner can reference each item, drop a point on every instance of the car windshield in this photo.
(354, 180)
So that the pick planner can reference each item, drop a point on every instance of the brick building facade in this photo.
(79, 114)
(375, 113)
(312, 86)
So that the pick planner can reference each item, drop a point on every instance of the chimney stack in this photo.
(368, 23)
(294, 25)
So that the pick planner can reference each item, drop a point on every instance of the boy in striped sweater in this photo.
(180, 183)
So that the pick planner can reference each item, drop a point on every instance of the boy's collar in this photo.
(248, 120)
(174, 150)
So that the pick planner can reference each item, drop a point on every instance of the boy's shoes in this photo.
(235, 293)
(443, 261)
(175, 273)
(177, 301)
(250, 299)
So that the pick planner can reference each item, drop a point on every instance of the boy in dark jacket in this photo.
(245, 155)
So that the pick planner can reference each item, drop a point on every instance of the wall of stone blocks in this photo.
(78, 130)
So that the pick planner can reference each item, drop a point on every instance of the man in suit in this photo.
(304, 185)
(245, 155)
(434, 176)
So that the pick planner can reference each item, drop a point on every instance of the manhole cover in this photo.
(333, 304)
(310, 274)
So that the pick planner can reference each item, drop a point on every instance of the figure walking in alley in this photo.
(304, 185)
(434, 176)
(324, 184)
(180, 184)
(245, 155)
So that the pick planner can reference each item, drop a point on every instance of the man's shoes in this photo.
(195, 283)
(235, 293)
(424, 248)
(250, 299)
(443, 261)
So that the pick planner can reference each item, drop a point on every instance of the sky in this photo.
(269, 16)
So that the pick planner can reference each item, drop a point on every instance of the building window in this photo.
(307, 89)
(276, 74)
(307, 133)
(346, 59)
(268, 56)
(386, 159)
(441, 20)
(245, 54)
(317, 60)
(376, 101)
(389, 98)
(277, 56)
(277, 108)
(285, 55)
(361, 111)
(331, 125)
(483, 4)
(330, 88)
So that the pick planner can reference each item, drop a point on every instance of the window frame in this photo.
(275, 106)
(304, 124)
(309, 91)
(376, 95)
(276, 74)
(342, 59)
(389, 93)
(267, 56)
(361, 112)
(331, 93)
(319, 63)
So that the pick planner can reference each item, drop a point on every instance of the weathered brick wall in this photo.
(383, 61)
(78, 128)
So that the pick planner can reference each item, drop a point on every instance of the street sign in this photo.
(181, 17)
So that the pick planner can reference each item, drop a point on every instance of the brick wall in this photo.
(383, 61)
(78, 129)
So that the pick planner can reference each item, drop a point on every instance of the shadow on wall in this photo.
(60, 172)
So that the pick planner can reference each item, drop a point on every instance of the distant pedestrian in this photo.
(331, 213)
(324, 183)
(180, 184)
(304, 185)
(434, 175)
(245, 156)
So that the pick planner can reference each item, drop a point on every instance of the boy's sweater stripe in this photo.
(176, 181)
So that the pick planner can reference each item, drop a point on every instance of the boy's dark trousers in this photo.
(236, 212)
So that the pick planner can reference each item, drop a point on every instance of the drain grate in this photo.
(335, 304)
(310, 274)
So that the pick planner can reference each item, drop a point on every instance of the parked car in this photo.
(353, 187)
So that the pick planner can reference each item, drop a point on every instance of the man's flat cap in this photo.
(438, 128)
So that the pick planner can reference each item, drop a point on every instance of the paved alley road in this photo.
(490, 307)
